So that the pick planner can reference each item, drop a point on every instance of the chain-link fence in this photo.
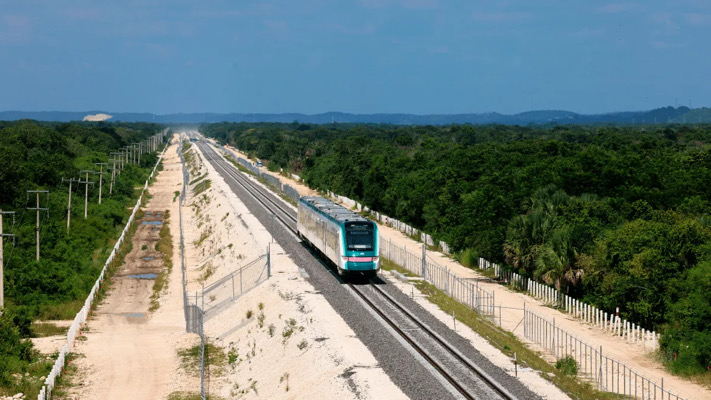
(631, 332)
(608, 374)
(217, 296)
(465, 291)
(291, 192)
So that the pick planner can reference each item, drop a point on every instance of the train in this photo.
(347, 239)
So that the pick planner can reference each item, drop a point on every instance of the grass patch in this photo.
(198, 179)
(44, 329)
(191, 396)
(203, 236)
(509, 344)
(388, 265)
(215, 359)
(165, 246)
(175, 195)
(206, 184)
(61, 311)
(209, 270)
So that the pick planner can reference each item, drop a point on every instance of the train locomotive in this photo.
(344, 237)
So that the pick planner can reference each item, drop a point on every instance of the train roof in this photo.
(334, 211)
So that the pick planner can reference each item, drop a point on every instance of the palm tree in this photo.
(554, 260)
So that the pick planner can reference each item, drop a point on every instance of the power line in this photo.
(38, 209)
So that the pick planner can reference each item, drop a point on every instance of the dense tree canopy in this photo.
(36, 156)
(618, 215)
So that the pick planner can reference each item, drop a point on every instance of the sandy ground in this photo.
(634, 355)
(293, 344)
(129, 352)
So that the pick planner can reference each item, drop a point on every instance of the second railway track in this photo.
(467, 380)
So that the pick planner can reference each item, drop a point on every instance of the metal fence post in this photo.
(269, 262)
(202, 344)
(424, 262)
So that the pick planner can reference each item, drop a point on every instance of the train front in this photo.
(361, 247)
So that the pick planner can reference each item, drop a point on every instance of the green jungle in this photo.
(618, 216)
(38, 156)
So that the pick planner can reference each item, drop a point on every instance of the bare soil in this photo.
(129, 352)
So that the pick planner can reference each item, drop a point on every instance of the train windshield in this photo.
(359, 236)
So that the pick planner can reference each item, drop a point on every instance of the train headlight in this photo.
(375, 259)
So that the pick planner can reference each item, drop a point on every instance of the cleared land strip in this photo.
(129, 351)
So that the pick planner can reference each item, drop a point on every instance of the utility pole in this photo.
(69, 203)
(2, 276)
(86, 189)
(113, 175)
(115, 160)
(37, 227)
(101, 176)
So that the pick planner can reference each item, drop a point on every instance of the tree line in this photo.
(617, 216)
(36, 156)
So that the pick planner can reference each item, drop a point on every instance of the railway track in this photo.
(467, 380)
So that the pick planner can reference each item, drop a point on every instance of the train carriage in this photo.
(344, 237)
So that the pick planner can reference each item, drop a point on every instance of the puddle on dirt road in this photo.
(134, 314)
(148, 258)
(142, 276)
(152, 222)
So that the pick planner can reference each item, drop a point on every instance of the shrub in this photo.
(567, 365)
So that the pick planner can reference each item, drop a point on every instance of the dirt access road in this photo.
(129, 351)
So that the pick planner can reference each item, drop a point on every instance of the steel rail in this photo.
(490, 382)
(442, 342)
(244, 182)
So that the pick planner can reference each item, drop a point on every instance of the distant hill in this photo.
(659, 115)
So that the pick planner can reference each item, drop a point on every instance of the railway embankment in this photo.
(510, 313)
(275, 337)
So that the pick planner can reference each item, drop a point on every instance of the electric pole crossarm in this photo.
(69, 202)
(38, 209)
(101, 176)
(2, 276)
(86, 189)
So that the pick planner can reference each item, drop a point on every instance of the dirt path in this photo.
(129, 351)
(634, 355)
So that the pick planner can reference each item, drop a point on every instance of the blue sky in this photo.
(367, 56)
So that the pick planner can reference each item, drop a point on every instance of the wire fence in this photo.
(217, 296)
(465, 291)
(80, 319)
(614, 324)
(186, 178)
(606, 373)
